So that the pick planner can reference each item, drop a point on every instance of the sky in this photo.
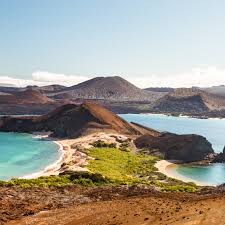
(176, 43)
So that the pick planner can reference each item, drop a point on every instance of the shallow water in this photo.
(213, 174)
(212, 129)
(22, 154)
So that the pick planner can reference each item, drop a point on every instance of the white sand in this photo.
(76, 160)
(72, 158)
(163, 167)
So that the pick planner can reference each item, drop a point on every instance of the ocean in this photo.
(212, 129)
(24, 154)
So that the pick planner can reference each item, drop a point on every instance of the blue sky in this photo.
(137, 39)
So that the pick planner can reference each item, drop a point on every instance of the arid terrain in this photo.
(130, 205)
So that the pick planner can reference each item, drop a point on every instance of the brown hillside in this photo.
(71, 121)
(25, 97)
(189, 100)
(212, 101)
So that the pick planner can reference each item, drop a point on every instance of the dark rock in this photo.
(187, 148)
(219, 158)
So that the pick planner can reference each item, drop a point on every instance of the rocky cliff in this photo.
(187, 148)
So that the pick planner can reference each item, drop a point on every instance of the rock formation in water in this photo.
(220, 157)
(187, 148)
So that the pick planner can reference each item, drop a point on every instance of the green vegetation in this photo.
(119, 166)
(125, 146)
(102, 144)
(82, 178)
(122, 167)
(112, 166)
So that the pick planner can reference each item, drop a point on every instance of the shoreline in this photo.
(163, 166)
(53, 168)
(184, 116)
(72, 158)
(68, 155)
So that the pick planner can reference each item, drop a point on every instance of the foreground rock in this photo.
(187, 148)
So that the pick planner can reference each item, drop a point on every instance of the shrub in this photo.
(102, 144)
(121, 167)
(125, 146)
(83, 178)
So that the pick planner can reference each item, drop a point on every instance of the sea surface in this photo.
(24, 154)
(212, 129)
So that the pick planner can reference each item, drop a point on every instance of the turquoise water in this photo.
(21, 154)
(212, 129)
(213, 174)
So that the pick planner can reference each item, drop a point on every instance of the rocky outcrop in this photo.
(71, 121)
(220, 157)
(187, 148)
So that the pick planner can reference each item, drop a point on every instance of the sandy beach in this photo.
(75, 159)
(72, 158)
(164, 167)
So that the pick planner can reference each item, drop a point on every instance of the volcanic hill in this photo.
(107, 88)
(71, 121)
(28, 102)
(25, 97)
(189, 100)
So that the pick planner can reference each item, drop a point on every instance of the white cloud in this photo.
(6, 80)
(201, 76)
(42, 78)
(56, 78)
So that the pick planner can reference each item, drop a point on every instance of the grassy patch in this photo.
(82, 178)
(122, 167)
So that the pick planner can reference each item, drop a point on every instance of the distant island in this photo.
(118, 95)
